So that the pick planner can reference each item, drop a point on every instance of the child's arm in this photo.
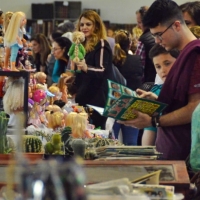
(147, 95)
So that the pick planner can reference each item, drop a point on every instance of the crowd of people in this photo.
(163, 49)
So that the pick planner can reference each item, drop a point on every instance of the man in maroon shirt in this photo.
(181, 90)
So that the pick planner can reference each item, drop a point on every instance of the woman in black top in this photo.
(131, 68)
(91, 82)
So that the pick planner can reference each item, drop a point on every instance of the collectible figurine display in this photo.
(77, 51)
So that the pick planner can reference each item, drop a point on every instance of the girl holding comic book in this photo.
(131, 68)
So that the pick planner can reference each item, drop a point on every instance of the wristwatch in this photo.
(155, 120)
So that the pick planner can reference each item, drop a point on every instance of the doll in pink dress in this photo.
(37, 113)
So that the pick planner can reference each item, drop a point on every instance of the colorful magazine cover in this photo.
(121, 102)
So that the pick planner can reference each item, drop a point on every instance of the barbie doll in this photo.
(14, 36)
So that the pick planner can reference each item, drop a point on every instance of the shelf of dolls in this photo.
(25, 76)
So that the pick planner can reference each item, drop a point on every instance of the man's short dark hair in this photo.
(157, 49)
(162, 12)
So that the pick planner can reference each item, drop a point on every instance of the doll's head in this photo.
(56, 91)
(78, 37)
(70, 119)
(53, 108)
(80, 125)
(40, 77)
(39, 96)
(55, 119)
(14, 96)
(7, 18)
(17, 21)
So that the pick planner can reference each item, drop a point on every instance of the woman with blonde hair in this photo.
(92, 81)
(14, 36)
(41, 49)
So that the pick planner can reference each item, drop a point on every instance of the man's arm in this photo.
(177, 117)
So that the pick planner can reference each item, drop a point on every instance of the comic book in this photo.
(121, 102)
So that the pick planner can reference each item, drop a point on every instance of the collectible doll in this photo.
(41, 78)
(7, 18)
(63, 88)
(37, 115)
(55, 119)
(77, 51)
(14, 36)
(56, 92)
(13, 100)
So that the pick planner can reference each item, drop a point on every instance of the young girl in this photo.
(14, 36)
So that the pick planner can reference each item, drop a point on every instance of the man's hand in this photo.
(142, 121)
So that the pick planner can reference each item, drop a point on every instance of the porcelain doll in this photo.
(77, 51)
(13, 38)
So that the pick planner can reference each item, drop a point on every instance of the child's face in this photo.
(163, 64)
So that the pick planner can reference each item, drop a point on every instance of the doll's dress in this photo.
(34, 117)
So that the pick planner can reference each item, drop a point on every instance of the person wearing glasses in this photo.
(145, 43)
(130, 66)
(92, 81)
(181, 90)
(60, 49)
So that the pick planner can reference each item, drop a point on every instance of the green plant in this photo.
(32, 144)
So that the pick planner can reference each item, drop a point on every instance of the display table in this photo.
(173, 172)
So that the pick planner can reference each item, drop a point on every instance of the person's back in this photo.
(130, 66)
(145, 43)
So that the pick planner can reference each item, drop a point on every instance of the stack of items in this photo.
(128, 152)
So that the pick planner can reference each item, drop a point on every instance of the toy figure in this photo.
(41, 78)
(56, 91)
(1, 28)
(77, 51)
(14, 36)
(55, 120)
(37, 115)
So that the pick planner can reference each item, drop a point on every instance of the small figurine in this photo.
(77, 51)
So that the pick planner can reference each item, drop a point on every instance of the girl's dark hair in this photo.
(193, 9)
(158, 49)
(162, 12)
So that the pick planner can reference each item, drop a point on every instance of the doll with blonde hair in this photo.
(14, 35)
(56, 91)
(55, 119)
(7, 18)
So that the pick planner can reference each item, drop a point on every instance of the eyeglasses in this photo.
(159, 35)
(55, 49)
